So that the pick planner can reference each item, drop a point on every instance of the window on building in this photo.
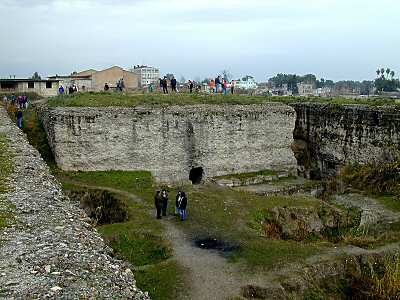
(49, 85)
(31, 85)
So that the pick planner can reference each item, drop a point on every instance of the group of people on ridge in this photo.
(161, 204)
(220, 85)
(174, 85)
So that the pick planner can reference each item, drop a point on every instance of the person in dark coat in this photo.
(177, 200)
(165, 85)
(158, 204)
(182, 206)
(191, 85)
(164, 197)
(173, 84)
(19, 116)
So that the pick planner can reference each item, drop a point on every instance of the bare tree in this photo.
(226, 75)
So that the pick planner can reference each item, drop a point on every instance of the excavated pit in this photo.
(101, 206)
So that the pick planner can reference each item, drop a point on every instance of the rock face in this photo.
(298, 223)
(51, 251)
(175, 143)
(327, 137)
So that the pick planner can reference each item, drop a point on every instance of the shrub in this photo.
(377, 178)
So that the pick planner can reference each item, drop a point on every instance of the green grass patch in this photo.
(102, 99)
(140, 183)
(245, 176)
(266, 254)
(163, 281)
(390, 201)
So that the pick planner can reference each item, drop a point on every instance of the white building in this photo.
(146, 74)
(246, 83)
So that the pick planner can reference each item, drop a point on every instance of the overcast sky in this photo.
(334, 39)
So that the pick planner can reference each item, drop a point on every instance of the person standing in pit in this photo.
(5, 101)
(158, 204)
(183, 205)
(19, 116)
(164, 197)
(177, 201)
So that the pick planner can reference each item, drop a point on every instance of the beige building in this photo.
(306, 89)
(111, 76)
(44, 88)
(92, 80)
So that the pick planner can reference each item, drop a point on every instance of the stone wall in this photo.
(170, 142)
(50, 251)
(329, 136)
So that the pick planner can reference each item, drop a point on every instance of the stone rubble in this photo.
(51, 251)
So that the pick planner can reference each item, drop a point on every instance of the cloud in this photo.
(189, 37)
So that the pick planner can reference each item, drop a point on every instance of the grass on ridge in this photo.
(103, 99)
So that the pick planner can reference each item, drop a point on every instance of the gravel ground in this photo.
(51, 251)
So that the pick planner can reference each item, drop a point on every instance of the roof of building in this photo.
(27, 80)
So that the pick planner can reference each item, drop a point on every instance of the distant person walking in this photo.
(233, 83)
(173, 84)
(61, 90)
(158, 204)
(191, 85)
(165, 85)
(218, 84)
(164, 197)
(19, 117)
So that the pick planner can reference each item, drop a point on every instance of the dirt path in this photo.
(210, 275)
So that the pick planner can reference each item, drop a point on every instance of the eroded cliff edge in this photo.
(50, 250)
(327, 137)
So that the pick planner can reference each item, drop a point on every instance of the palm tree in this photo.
(392, 73)
(383, 72)
(387, 72)
(378, 72)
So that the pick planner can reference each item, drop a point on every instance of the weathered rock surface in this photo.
(298, 223)
(372, 212)
(329, 136)
(171, 141)
(51, 251)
